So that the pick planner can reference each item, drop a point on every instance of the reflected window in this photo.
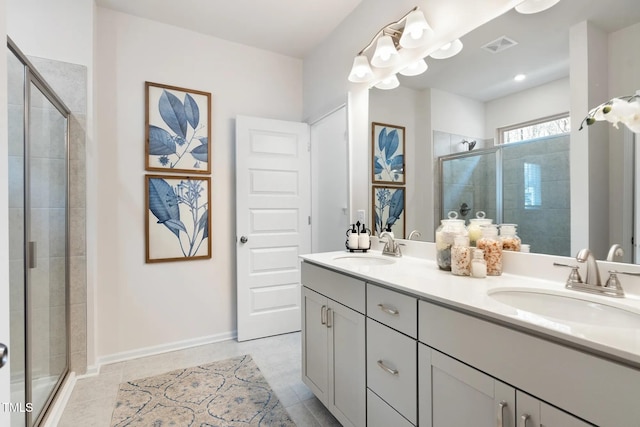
(542, 128)
(532, 186)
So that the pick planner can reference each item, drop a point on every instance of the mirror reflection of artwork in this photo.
(388, 210)
(388, 153)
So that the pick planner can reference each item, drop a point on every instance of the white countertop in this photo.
(422, 278)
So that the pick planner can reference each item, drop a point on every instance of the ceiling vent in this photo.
(499, 44)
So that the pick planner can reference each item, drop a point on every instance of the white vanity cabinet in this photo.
(333, 342)
(454, 394)
(579, 385)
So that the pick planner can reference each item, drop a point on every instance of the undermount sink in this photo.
(362, 260)
(565, 306)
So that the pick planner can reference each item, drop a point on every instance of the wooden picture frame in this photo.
(177, 220)
(177, 129)
(388, 208)
(387, 154)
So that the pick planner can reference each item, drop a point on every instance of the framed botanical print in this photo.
(177, 218)
(178, 129)
(387, 151)
(388, 207)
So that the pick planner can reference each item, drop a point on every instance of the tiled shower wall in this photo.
(546, 227)
(69, 82)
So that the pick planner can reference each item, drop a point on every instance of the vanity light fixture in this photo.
(448, 50)
(410, 31)
(390, 82)
(416, 31)
(415, 68)
(361, 71)
(535, 6)
(386, 53)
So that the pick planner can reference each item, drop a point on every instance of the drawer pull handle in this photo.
(323, 315)
(391, 311)
(329, 317)
(386, 368)
(523, 420)
(502, 406)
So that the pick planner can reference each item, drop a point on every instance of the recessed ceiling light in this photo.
(519, 77)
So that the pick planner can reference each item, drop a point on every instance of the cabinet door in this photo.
(315, 344)
(532, 412)
(452, 394)
(347, 396)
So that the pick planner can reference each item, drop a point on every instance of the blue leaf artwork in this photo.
(388, 153)
(389, 210)
(180, 207)
(178, 131)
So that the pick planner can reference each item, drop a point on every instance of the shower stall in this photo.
(38, 239)
(525, 183)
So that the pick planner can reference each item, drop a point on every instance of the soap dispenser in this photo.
(353, 237)
(363, 239)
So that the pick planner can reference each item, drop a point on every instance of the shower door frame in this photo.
(31, 76)
(491, 150)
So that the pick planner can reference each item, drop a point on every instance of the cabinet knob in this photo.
(523, 420)
(323, 315)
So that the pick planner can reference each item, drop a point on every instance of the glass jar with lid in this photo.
(492, 247)
(475, 227)
(509, 238)
(460, 256)
(445, 234)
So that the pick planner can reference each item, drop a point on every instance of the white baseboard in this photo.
(158, 349)
(55, 413)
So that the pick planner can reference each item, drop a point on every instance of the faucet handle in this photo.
(574, 276)
(613, 284)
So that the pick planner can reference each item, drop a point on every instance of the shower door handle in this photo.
(4, 355)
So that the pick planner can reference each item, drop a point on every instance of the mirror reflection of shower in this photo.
(525, 183)
(470, 144)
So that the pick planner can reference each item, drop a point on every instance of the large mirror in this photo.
(578, 53)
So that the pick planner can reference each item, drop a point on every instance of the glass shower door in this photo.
(47, 248)
(38, 261)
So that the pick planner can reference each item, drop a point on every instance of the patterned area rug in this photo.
(228, 393)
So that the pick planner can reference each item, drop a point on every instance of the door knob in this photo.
(244, 239)
(4, 355)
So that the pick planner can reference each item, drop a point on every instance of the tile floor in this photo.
(93, 398)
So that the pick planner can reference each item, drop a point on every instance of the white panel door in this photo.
(272, 223)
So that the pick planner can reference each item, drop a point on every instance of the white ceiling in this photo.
(289, 27)
(295, 27)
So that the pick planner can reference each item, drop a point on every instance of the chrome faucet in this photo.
(414, 233)
(593, 274)
(391, 247)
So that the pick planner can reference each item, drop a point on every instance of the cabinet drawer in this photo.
(339, 287)
(396, 310)
(392, 368)
(380, 414)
